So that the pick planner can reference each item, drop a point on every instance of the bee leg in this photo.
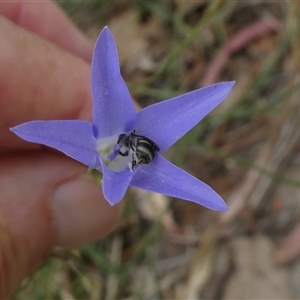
(134, 165)
(134, 162)
(126, 153)
(142, 161)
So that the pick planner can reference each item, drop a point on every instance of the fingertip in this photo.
(80, 212)
(48, 20)
(39, 81)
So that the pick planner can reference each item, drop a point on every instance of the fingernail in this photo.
(80, 213)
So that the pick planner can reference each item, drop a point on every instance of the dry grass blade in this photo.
(154, 207)
(290, 247)
(171, 278)
(176, 262)
(112, 280)
(95, 286)
(144, 282)
(238, 199)
(289, 137)
(236, 43)
(202, 264)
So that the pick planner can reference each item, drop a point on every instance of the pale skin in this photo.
(46, 198)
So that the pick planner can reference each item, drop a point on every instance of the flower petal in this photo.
(115, 184)
(167, 121)
(165, 178)
(74, 138)
(113, 111)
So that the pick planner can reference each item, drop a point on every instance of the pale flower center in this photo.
(108, 149)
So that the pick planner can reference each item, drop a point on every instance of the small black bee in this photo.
(143, 149)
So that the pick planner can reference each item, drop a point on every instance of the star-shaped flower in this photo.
(126, 146)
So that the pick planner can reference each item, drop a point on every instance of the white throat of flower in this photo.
(108, 149)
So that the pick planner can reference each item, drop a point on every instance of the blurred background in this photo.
(247, 150)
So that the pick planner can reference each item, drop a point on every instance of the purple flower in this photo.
(133, 159)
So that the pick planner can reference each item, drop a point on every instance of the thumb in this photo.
(46, 200)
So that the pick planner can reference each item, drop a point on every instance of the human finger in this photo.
(47, 20)
(46, 200)
(38, 81)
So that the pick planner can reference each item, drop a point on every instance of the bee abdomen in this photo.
(145, 152)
